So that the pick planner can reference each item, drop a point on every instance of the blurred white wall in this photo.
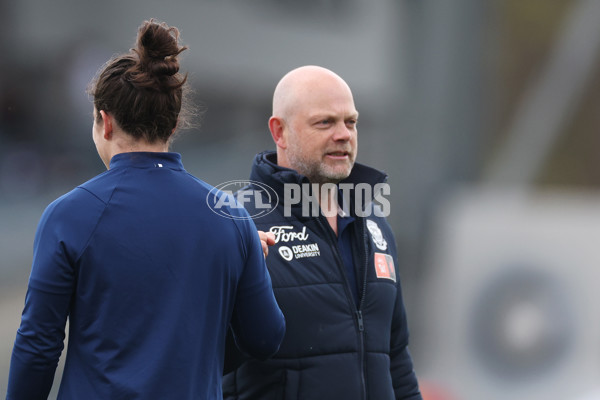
(509, 307)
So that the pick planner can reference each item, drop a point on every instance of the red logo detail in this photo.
(384, 266)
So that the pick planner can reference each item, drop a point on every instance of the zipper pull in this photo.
(359, 316)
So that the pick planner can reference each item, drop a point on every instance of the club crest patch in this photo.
(384, 266)
(286, 253)
(376, 235)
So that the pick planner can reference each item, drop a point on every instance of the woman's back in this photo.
(149, 277)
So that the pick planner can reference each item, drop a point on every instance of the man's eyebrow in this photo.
(318, 117)
(353, 115)
(321, 116)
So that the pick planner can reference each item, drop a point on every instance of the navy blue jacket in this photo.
(332, 349)
(150, 279)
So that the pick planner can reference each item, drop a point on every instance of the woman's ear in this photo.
(107, 121)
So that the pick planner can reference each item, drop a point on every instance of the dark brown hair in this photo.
(143, 89)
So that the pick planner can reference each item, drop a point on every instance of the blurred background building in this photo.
(483, 113)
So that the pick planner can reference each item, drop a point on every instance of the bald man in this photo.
(333, 264)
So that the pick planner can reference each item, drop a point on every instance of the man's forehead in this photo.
(331, 110)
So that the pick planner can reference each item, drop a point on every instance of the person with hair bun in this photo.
(148, 276)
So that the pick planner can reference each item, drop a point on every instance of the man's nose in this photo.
(342, 133)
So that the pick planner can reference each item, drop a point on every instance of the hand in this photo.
(266, 239)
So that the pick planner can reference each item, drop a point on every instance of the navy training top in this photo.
(150, 278)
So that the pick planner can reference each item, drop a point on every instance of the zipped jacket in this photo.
(334, 347)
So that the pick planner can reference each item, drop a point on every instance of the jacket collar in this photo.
(265, 169)
(144, 159)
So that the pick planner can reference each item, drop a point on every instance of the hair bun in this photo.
(156, 52)
(158, 49)
(143, 88)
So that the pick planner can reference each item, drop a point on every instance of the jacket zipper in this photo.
(358, 312)
(359, 315)
(361, 332)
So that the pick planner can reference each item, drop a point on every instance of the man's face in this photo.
(322, 136)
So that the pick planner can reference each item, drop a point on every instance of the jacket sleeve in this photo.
(257, 322)
(39, 340)
(404, 378)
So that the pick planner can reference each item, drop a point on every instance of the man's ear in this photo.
(107, 121)
(276, 126)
